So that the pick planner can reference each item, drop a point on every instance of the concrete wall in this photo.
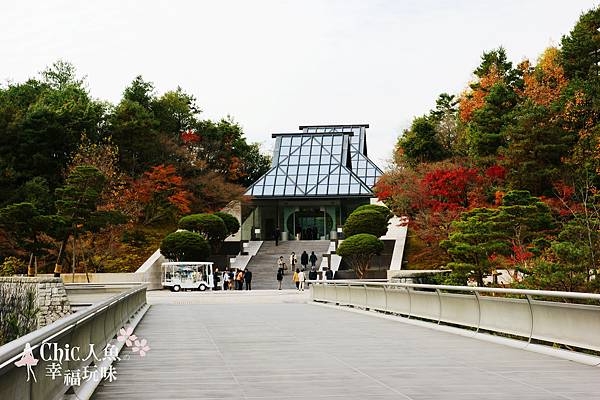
(50, 294)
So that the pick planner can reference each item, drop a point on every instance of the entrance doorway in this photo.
(310, 224)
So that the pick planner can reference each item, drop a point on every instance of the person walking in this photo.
(216, 278)
(279, 276)
(312, 275)
(296, 278)
(231, 280)
(329, 274)
(281, 264)
(304, 259)
(313, 258)
(301, 279)
(276, 235)
(240, 279)
(293, 261)
(248, 279)
(225, 279)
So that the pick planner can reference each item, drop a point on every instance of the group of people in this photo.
(299, 276)
(233, 279)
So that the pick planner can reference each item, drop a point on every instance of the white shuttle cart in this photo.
(187, 275)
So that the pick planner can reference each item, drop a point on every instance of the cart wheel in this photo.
(202, 287)
(176, 288)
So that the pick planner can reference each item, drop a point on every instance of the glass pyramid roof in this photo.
(318, 162)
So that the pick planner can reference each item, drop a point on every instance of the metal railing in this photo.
(491, 309)
(96, 325)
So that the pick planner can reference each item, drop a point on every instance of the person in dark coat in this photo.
(329, 274)
(313, 258)
(304, 259)
(280, 276)
(312, 275)
(216, 279)
(248, 279)
(276, 235)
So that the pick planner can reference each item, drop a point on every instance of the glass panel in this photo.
(327, 140)
(303, 169)
(322, 189)
(284, 150)
(270, 180)
(324, 169)
(344, 189)
(334, 179)
(286, 141)
(312, 179)
(289, 189)
(278, 190)
(344, 178)
(314, 159)
(268, 191)
(301, 179)
(294, 160)
(337, 139)
(316, 150)
(355, 189)
(257, 190)
(283, 160)
(292, 170)
(314, 169)
(333, 189)
(304, 159)
(325, 159)
(280, 180)
(317, 141)
(296, 141)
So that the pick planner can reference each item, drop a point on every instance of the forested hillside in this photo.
(506, 174)
(106, 181)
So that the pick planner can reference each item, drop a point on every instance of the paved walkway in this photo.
(270, 349)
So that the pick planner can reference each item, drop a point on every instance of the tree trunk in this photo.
(30, 271)
(74, 257)
(59, 259)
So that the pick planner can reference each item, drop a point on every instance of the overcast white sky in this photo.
(274, 65)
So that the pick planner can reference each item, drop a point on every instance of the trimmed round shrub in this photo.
(383, 210)
(366, 221)
(185, 246)
(231, 222)
(210, 226)
(358, 250)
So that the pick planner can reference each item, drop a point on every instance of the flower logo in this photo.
(141, 346)
(126, 335)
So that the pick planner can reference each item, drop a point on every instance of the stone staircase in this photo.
(264, 264)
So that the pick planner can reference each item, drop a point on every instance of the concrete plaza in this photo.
(273, 345)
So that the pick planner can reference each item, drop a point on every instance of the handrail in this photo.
(105, 318)
(524, 314)
(531, 292)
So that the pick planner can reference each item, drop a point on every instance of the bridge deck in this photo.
(296, 351)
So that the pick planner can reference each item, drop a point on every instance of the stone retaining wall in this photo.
(51, 297)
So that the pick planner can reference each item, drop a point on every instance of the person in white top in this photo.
(225, 280)
(301, 278)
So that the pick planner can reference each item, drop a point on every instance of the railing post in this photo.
(409, 302)
(478, 311)
(440, 305)
(366, 297)
(349, 294)
(529, 300)
(386, 298)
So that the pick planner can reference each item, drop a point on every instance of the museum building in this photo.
(318, 176)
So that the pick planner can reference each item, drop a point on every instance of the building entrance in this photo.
(309, 224)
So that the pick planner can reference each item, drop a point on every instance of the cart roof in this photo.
(183, 263)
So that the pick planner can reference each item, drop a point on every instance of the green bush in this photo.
(383, 210)
(12, 266)
(185, 246)
(365, 221)
(231, 222)
(210, 226)
(358, 250)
